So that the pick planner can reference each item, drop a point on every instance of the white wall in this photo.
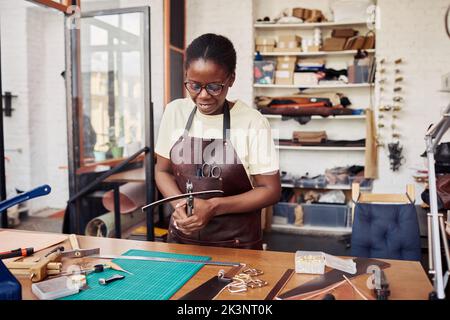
(32, 60)
(410, 29)
(414, 31)
(233, 19)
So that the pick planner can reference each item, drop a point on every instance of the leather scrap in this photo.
(280, 284)
(332, 277)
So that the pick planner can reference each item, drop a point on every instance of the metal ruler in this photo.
(215, 263)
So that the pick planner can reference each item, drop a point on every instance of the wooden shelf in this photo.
(349, 117)
(309, 54)
(309, 229)
(307, 25)
(298, 148)
(318, 86)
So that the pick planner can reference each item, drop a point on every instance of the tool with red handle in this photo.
(21, 252)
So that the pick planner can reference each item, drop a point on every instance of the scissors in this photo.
(211, 171)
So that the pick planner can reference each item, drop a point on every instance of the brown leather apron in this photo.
(236, 230)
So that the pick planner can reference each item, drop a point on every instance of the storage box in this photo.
(316, 62)
(284, 77)
(288, 43)
(313, 48)
(262, 48)
(296, 49)
(291, 213)
(305, 78)
(334, 44)
(315, 214)
(343, 33)
(286, 63)
(325, 215)
(302, 13)
(264, 72)
(358, 74)
(311, 262)
(265, 44)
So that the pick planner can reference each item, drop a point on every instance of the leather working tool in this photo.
(39, 270)
(180, 196)
(17, 253)
(381, 286)
(190, 199)
(211, 288)
(49, 264)
(332, 277)
(115, 277)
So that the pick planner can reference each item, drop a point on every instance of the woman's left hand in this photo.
(201, 214)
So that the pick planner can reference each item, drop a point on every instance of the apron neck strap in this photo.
(226, 121)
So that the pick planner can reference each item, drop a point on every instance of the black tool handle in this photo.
(115, 277)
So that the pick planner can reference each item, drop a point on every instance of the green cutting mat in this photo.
(151, 280)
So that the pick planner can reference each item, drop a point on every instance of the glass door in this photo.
(111, 108)
(114, 68)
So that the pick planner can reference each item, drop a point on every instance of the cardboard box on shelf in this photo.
(312, 48)
(302, 13)
(263, 48)
(265, 44)
(288, 43)
(343, 33)
(334, 44)
(296, 49)
(284, 77)
(286, 63)
(358, 74)
(305, 78)
(317, 62)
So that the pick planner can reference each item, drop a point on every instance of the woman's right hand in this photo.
(180, 214)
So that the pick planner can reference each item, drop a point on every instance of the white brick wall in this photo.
(414, 31)
(14, 79)
(33, 58)
(233, 19)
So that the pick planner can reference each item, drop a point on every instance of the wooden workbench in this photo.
(407, 279)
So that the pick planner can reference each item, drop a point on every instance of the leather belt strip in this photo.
(280, 284)
(211, 288)
(332, 277)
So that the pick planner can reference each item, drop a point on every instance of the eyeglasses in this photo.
(213, 89)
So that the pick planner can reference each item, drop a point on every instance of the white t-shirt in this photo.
(250, 133)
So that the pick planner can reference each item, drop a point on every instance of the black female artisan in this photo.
(209, 142)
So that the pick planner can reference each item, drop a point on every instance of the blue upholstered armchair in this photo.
(385, 230)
